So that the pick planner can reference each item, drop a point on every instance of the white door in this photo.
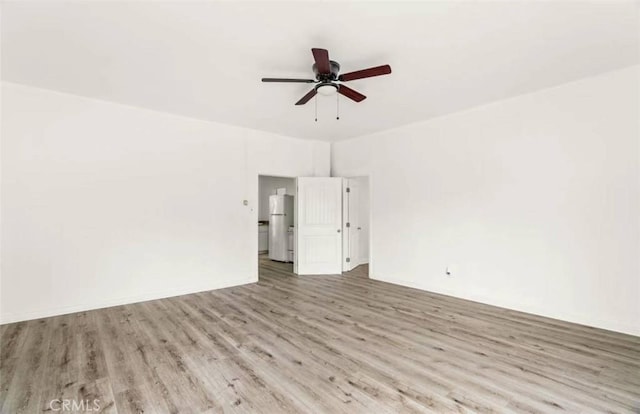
(351, 225)
(319, 222)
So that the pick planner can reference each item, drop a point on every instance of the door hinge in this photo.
(348, 225)
(348, 259)
(348, 190)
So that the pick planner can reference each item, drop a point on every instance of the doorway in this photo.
(356, 224)
(323, 222)
(276, 218)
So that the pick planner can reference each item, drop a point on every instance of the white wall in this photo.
(534, 200)
(104, 204)
(268, 186)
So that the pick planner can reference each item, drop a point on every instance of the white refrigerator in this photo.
(280, 219)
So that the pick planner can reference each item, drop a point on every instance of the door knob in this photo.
(338, 230)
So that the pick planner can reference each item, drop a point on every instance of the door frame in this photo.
(349, 186)
(345, 241)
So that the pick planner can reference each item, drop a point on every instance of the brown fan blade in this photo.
(307, 97)
(287, 80)
(351, 94)
(322, 61)
(366, 73)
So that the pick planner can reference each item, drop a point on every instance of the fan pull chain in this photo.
(315, 100)
(337, 106)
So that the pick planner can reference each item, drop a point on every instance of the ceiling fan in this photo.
(327, 78)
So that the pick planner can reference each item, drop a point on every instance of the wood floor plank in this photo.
(62, 363)
(97, 395)
(25, 389)
(13, 336)
(334, 344)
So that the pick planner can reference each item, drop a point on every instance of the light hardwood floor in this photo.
(334, 344)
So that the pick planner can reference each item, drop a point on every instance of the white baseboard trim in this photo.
(143, 297)
(615, 326)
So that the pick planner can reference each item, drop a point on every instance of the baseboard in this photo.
(615, 326)
(147, 296)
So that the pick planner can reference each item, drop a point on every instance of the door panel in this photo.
(319, 225)
(319, 249)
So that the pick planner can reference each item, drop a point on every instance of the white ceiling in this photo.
(205, 59)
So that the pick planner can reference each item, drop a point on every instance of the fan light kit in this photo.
(328, 81)
(327, 89)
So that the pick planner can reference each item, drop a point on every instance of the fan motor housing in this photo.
(335, 69)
